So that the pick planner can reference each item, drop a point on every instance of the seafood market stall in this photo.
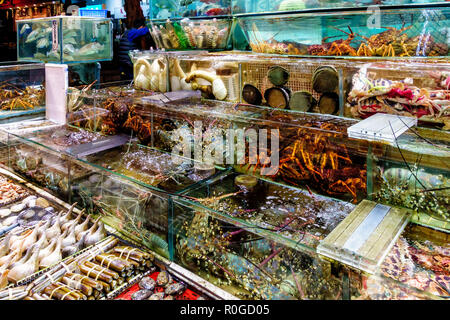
(219, 230)
(314, 167)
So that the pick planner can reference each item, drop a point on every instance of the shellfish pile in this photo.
(10, 192)
(403, 97)
(157, 286)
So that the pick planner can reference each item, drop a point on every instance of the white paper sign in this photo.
(56, 85)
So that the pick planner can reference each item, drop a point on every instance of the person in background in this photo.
(140, 35)
(137, 38)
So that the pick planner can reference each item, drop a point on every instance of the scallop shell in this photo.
(41, 202)
(42, 213)
(18, 207)
(31, 203)
(50, 210)
(4, 213)
(27, 214)
(9, 221)
(29, 198)
(32, 223)
(48, 216)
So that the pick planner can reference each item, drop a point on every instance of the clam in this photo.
(141, 295)
(163, 278)
(302, 101)
(325, 79)
(147, 284)
(329, 103)
(18, 207)
(251, 94)
(278, 76)
(175, 289)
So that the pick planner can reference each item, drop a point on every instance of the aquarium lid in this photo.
(363, 239)
(99, 145)
(174, 96)
(381, 127)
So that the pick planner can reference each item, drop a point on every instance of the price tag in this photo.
(55, 40)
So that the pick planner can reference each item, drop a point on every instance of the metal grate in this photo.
(256, 75)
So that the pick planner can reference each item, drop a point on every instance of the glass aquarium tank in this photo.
(245, 263)
(149, 167)
(216, 78)
(414, 90)
(314, 150)
(188, 34)
(22, 91)
(168, 9)
(150, 70)
(414, 269)
(278, 212)
(46, 167)
(223, 231)
(65, 39)
(133, 210)
(409, 32)
(413, 173)
(102, 108)
(39, 155)
(132, 186)
(266, 6)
